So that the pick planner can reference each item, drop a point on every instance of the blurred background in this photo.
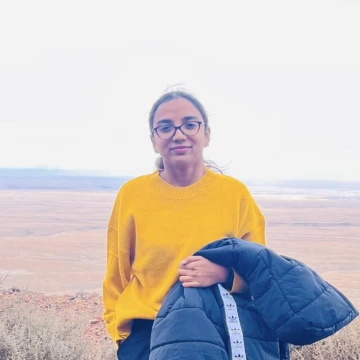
(280, 81)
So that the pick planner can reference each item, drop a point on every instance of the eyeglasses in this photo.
(190, 128)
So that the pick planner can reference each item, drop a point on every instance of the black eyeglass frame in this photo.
(178, 128)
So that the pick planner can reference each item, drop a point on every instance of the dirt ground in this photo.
(54, 241)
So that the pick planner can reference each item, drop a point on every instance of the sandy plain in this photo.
(54, 241)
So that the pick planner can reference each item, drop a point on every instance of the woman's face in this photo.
(179, 149)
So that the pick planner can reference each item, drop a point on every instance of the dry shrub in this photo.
(31, 332)
(344, 345)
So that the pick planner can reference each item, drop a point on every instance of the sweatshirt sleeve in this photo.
(252, 221)
(251, 228)
(120, 234)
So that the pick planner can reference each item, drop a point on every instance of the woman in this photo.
(159, 220)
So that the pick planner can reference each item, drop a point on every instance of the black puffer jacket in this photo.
(289, 303)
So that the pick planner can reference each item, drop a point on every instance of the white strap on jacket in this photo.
(233, 325)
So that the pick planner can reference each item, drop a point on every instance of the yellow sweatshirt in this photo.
(153, 226)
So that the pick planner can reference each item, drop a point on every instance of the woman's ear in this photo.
(207, 137)
(153, 143)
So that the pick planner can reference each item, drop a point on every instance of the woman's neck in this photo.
(179, 176)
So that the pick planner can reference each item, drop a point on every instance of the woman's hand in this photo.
(196, 271)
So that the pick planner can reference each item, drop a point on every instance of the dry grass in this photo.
(31, 332)
(344, 345)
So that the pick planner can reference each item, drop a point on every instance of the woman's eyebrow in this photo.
(164, 121)
(169, 121)
(189, 118)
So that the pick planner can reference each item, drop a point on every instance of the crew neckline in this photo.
(204, 184)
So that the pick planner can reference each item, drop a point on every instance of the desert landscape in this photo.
(55, 241)
(53, 254)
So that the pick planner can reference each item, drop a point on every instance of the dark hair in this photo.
(178, 94)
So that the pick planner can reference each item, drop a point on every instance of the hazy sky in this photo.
(280, 80)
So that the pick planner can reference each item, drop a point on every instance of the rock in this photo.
(14, 289)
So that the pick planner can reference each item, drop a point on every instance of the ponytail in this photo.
(159, 163)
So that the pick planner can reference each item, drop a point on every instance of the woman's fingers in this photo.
(185, 272)
(186, 279)
(189, 260)
(202, 272)
(191, 284)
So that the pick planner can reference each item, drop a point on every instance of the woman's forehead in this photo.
(175, 110)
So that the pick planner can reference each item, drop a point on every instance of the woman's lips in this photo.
(180, 149)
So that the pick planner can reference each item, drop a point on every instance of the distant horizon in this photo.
(58, 171)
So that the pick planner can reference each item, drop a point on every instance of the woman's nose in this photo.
(179, 135)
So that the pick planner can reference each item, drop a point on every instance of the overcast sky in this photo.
(280, 80)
